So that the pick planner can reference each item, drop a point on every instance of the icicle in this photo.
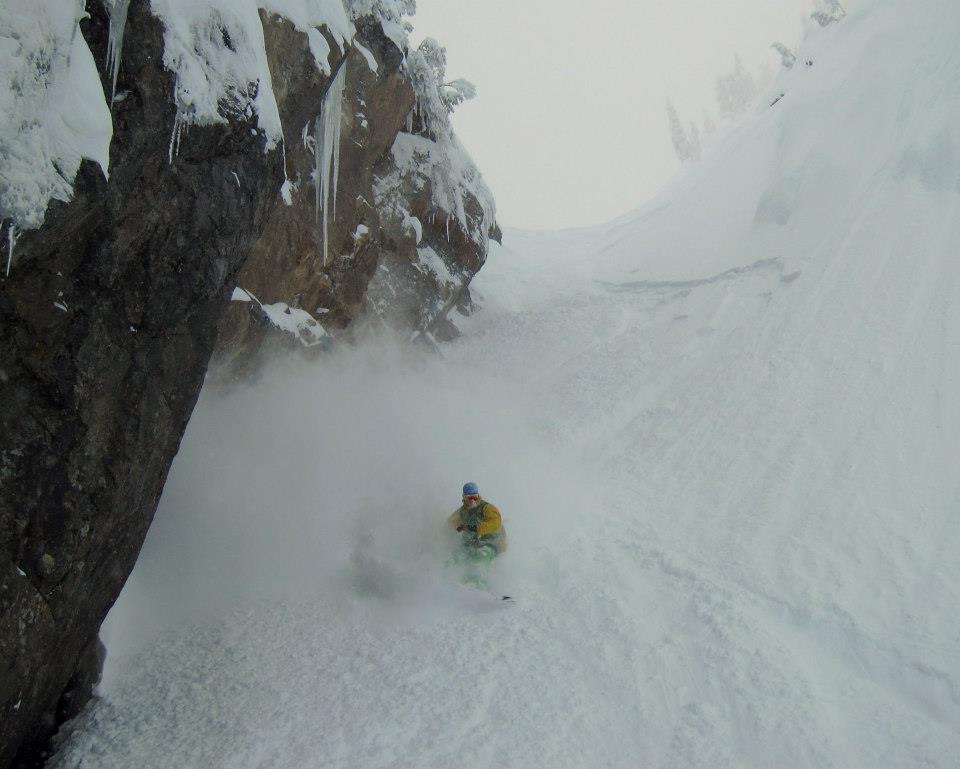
(326, 155)
(286, 189)
(307, 140)
(118, 22)
(335, 153)
(448, 228)
(410, 121)
(11, 242)
(175, 138)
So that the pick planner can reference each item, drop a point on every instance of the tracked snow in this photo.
(723, 433)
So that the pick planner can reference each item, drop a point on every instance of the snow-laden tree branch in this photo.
(687, 146)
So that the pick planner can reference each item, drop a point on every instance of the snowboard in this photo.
(474, 559)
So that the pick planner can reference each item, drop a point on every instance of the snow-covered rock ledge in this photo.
(152, 152)
(374, 175)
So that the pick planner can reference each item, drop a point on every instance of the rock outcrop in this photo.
(349, 205)
(107, 321)
(403, 225)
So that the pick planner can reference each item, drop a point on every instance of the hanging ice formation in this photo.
(118, 21)
(175, 137)
(326, 155)
(11, 242)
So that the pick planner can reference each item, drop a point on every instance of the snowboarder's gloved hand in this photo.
(463, 527)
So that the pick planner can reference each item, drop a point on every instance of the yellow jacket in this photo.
(486, 517)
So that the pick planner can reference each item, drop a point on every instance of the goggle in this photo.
(471, 498)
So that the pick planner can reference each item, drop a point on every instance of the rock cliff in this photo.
(299, 150)
(385, 218)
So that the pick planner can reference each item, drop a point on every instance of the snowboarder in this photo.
(479, 522)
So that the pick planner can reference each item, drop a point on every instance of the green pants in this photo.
(475, 556)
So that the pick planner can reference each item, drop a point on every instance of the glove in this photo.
(464, 527)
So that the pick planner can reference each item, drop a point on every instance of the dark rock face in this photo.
(107, 322)
(112, 311)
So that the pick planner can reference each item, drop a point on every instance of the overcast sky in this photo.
(569, 126)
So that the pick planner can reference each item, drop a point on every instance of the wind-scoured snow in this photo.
(723, 433)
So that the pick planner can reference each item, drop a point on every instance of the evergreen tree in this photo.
(678, 136)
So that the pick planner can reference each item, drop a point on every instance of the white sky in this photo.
(569, 125)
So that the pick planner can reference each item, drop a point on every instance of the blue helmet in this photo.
(470, 489)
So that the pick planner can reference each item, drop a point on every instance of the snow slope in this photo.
(722, 431)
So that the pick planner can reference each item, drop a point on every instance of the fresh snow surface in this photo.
(723, 431)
